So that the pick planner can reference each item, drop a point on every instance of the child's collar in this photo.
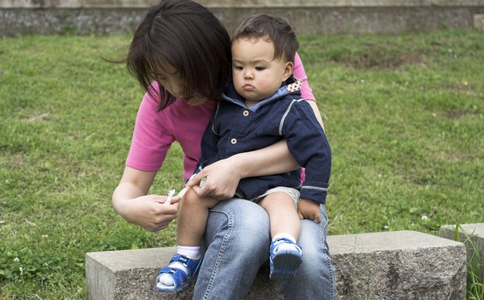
(291, 85)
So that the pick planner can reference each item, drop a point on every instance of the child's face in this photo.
(256, 74)
(170, 79)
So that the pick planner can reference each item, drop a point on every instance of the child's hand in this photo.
(309, 209)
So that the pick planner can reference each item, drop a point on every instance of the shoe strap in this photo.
(190, 264)
(275, 244)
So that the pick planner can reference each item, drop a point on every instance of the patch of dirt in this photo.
(38, 117)
(452, 156)
(421, 181)
(378, 59)
(457, 114)
(12, 161)
(457, 87)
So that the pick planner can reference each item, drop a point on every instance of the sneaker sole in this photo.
(285, 264)
(171, 289)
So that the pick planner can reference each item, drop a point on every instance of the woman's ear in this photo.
(288, 68)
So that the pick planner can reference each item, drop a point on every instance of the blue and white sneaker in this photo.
(182, 270)
(284, 263)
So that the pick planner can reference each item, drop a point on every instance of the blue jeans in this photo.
(236, 243)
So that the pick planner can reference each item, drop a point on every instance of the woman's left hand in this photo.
(223, 178)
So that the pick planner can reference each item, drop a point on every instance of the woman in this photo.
(181, 56)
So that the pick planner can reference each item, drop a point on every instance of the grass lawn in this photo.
(404, 116)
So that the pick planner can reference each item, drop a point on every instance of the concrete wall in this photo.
(19, 17)
(239, 3)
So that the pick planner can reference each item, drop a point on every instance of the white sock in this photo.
(192, 252)
(285, 246)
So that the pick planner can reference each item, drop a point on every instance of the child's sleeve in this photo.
(309, 146)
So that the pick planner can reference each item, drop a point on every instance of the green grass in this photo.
(404, 116)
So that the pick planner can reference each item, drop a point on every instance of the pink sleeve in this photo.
(306, 91)
(152, 137)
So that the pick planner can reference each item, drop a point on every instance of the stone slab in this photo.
(387, 265)
(398, 265)
(474, 230)
(473, 236)
(130, 275)
(479, 22)
(40, 4)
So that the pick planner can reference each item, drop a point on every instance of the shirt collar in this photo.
(290, 86)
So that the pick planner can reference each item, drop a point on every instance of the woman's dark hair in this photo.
(277, 29)
(190, 38)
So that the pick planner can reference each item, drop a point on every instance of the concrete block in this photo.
(18, 3)
(60, 3)
(473, 236)
(398, 265)
(40, 4)
(479, 22)
(128, 274)
(233, 3)
(457, 2)
(308, 3)
(388, 265)
(390, 3)
(118, 3)
(475, 230)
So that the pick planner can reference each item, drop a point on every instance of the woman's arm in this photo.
(131, 201)
(224, 175)
(315, 108)
(306, 91)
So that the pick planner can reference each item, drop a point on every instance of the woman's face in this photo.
(172, 82)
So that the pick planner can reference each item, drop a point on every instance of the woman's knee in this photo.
(244, 222)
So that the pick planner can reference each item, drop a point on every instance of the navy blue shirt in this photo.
(234, 128)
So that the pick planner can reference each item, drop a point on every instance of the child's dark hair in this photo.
(276, 29)
(190, 38)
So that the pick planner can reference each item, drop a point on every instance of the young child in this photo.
(262, 106)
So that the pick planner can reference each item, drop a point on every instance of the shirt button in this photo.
(245, 113)
(233, 141)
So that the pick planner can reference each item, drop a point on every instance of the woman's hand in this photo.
(149, 211)
(222, 176)
(132, 203)
(309, 209)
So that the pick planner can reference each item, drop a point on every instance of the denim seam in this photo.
(328, 260)
(220, 253)
(331, 274)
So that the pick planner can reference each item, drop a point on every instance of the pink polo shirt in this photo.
(154, 131)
